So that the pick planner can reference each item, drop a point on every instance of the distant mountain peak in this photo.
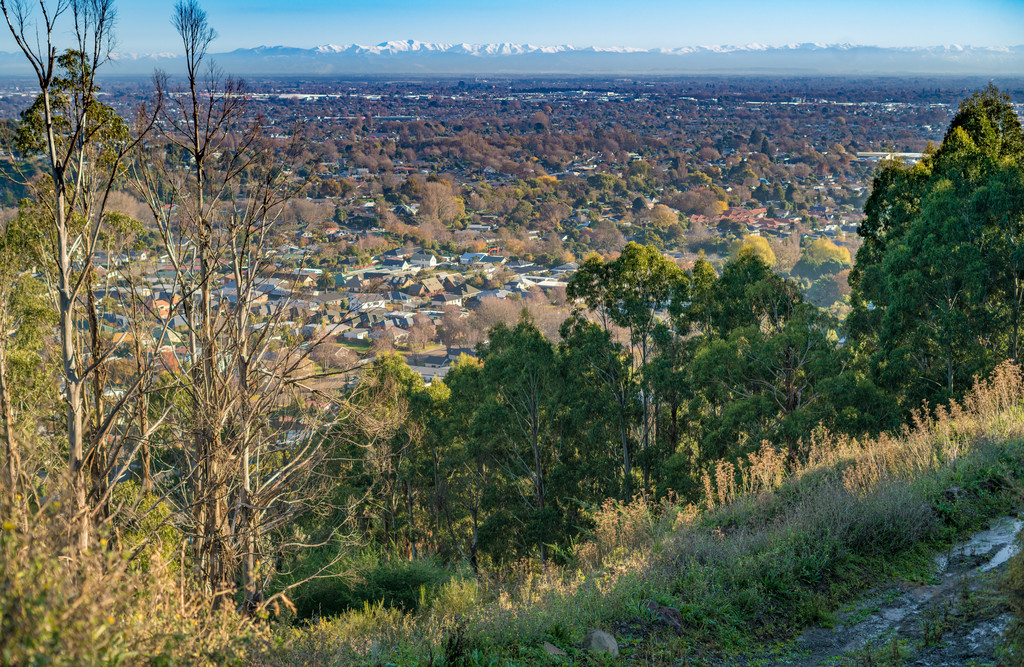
(412, 56)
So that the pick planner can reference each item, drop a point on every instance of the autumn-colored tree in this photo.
(440, 204)
(662, 216)
(754, 246)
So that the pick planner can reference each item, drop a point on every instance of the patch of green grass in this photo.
(887, 652)
(863, 612)
(936, 621)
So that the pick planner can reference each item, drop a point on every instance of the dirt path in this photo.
(957, 619)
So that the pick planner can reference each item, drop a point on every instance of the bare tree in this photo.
(787, 253)
(248, 429)
(333, 356)
(422, 332)
(83, 145)
(490, 312)
(453, 328)
(439, 203)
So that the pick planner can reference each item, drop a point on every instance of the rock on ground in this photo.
(598, 641)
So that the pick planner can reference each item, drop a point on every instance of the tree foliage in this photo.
(937, 284)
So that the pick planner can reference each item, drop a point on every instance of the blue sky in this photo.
(144, 25)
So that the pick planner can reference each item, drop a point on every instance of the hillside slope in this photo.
(775, 548)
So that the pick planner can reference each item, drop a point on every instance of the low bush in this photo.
(367, 578)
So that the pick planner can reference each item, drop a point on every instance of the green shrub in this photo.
(354, 582)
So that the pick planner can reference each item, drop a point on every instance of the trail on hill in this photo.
(955, 619)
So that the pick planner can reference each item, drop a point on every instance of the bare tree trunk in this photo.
(411, 530)
(1016, 316)
(673, 434)
(473, 563)
(97, 454)
(650, 420)
(143, 418)
(248, 513)
(72, 391)
(627, 464)
(248, 523)
(13, 467)
(538, 472)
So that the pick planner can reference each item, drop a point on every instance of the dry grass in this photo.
(97, 608)
(991, 411)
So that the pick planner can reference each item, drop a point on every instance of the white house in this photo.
(423, 260)
(356, 334)
(366, 301)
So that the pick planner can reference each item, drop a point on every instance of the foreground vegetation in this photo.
(772, 547)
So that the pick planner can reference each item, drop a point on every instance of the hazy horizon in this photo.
(146, 28)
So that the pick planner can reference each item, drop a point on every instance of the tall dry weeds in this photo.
(59, 606)
(991, 410)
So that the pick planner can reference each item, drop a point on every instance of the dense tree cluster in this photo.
(937, 285)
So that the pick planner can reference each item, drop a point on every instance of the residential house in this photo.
(335, 299)
(402, 319)
(423, 261)
(389, 329)
(442, 300)
(364, 301)
(369, 318)
(521, 266)
(456, 352)
(396, 264)
(159, 307)
(356, 334)
(425, 288)
(430, 374)
(302, 310)
(433, 360)
(433, 286)
(466, 290)
(400, 298)
(349, 284)
(474, 301)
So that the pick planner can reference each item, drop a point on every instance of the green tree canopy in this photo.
(822, 258)
(937, 285)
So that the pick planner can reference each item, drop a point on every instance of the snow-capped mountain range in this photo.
(428, 58)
